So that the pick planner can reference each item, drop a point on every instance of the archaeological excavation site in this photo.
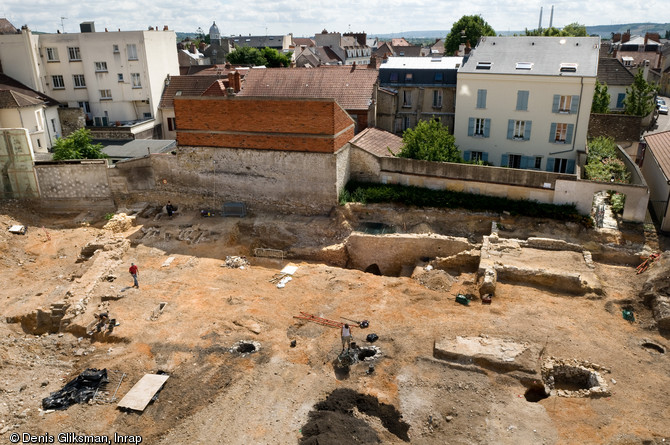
(467, 328)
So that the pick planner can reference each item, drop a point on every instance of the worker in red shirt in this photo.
(134, 272)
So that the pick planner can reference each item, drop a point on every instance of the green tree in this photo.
(574, 30)
(602, 162)
(246, 55)
(430, 141)
(571, 30)
(473, 25)
(77, 146)
(275, 59)
(639, 100)
(601, 99)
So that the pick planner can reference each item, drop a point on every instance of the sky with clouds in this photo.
(307, 17)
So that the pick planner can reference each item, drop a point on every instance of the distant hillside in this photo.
(604, 31)
(635, 28)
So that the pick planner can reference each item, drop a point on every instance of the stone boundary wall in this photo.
(292, 182)
(621, 127)
(78, 185)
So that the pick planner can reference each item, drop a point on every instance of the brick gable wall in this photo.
(309, 125)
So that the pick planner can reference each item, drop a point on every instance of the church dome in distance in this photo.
(214, 32)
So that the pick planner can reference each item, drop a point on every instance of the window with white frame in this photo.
(561, 133)
(73, 53)
(135, 78)
(79, 81)
(57, 82)
(406, 98)
(519, 129)
(85, 106)
(172, 123)
(565, 104)
(514, 161)
(479, 126)
(132, 51)
(538, 162)
(560, 165)
(476, 156)
(115, 48)
(119, 77)
(100, 67)
(52, 55)
(38, 120)
(105, 94)
(437, 99)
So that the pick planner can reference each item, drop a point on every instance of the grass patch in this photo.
(366, 192)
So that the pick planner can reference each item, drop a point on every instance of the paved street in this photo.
(663, 122)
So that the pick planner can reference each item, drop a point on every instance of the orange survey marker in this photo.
(319, 320)
(646, 264)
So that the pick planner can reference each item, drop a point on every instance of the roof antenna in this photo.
(62, 25)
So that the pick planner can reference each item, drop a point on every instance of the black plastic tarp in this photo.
(80, 390)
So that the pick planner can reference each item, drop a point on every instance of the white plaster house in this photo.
(23, 107)
(524, 102)
(112, 76)
(656, 171)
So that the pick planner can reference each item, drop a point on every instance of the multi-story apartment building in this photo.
(416, 88)
(524, 102)
(115, 77)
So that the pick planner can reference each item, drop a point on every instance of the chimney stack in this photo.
(165, 28)
(625, 37)
(237, 83)
(193, 51)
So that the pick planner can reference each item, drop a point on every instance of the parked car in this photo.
(663, 109)
(659, 102)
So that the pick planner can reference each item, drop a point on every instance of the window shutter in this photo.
(510, 128)
(522, 100)
(524, 162)
(574, 105)
(557, 103)
(471, 126)
(619, 100)
(550, 164)
(571, 167)
(485, 156)
(552, 133)
(481, 98)
(504, 160)
(487, 127)
(526, 131)
(568, 135)
(467, 155)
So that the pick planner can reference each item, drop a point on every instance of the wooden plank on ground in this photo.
(140, 395)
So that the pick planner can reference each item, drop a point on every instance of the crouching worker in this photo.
(103, 322)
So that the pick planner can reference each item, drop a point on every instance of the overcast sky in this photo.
(307, 17)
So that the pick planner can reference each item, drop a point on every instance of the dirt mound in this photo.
(435, 279)
(332, 421)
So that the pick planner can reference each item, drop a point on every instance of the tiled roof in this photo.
(378, 142)
(185, 86)
(351, 87)
(299, 41)
(327, 55)
(400, 42)
(14, 94)
(258, 41)
(659, 144)
(612, 72)
(6, 27)
(637, 58)
(218, 88)
(407, 51)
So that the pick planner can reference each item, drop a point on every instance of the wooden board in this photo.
(140, 395)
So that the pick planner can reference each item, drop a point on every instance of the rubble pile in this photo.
(236, 262)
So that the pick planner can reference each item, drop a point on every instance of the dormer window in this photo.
(484, 65)
(524, 65)
(568, 67)
(393, 77)
(408, 77)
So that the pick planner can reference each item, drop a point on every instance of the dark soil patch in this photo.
(332, 421)
(245, 348)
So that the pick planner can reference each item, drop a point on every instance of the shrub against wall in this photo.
(602, 162)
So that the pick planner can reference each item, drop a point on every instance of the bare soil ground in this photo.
(283, 394)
